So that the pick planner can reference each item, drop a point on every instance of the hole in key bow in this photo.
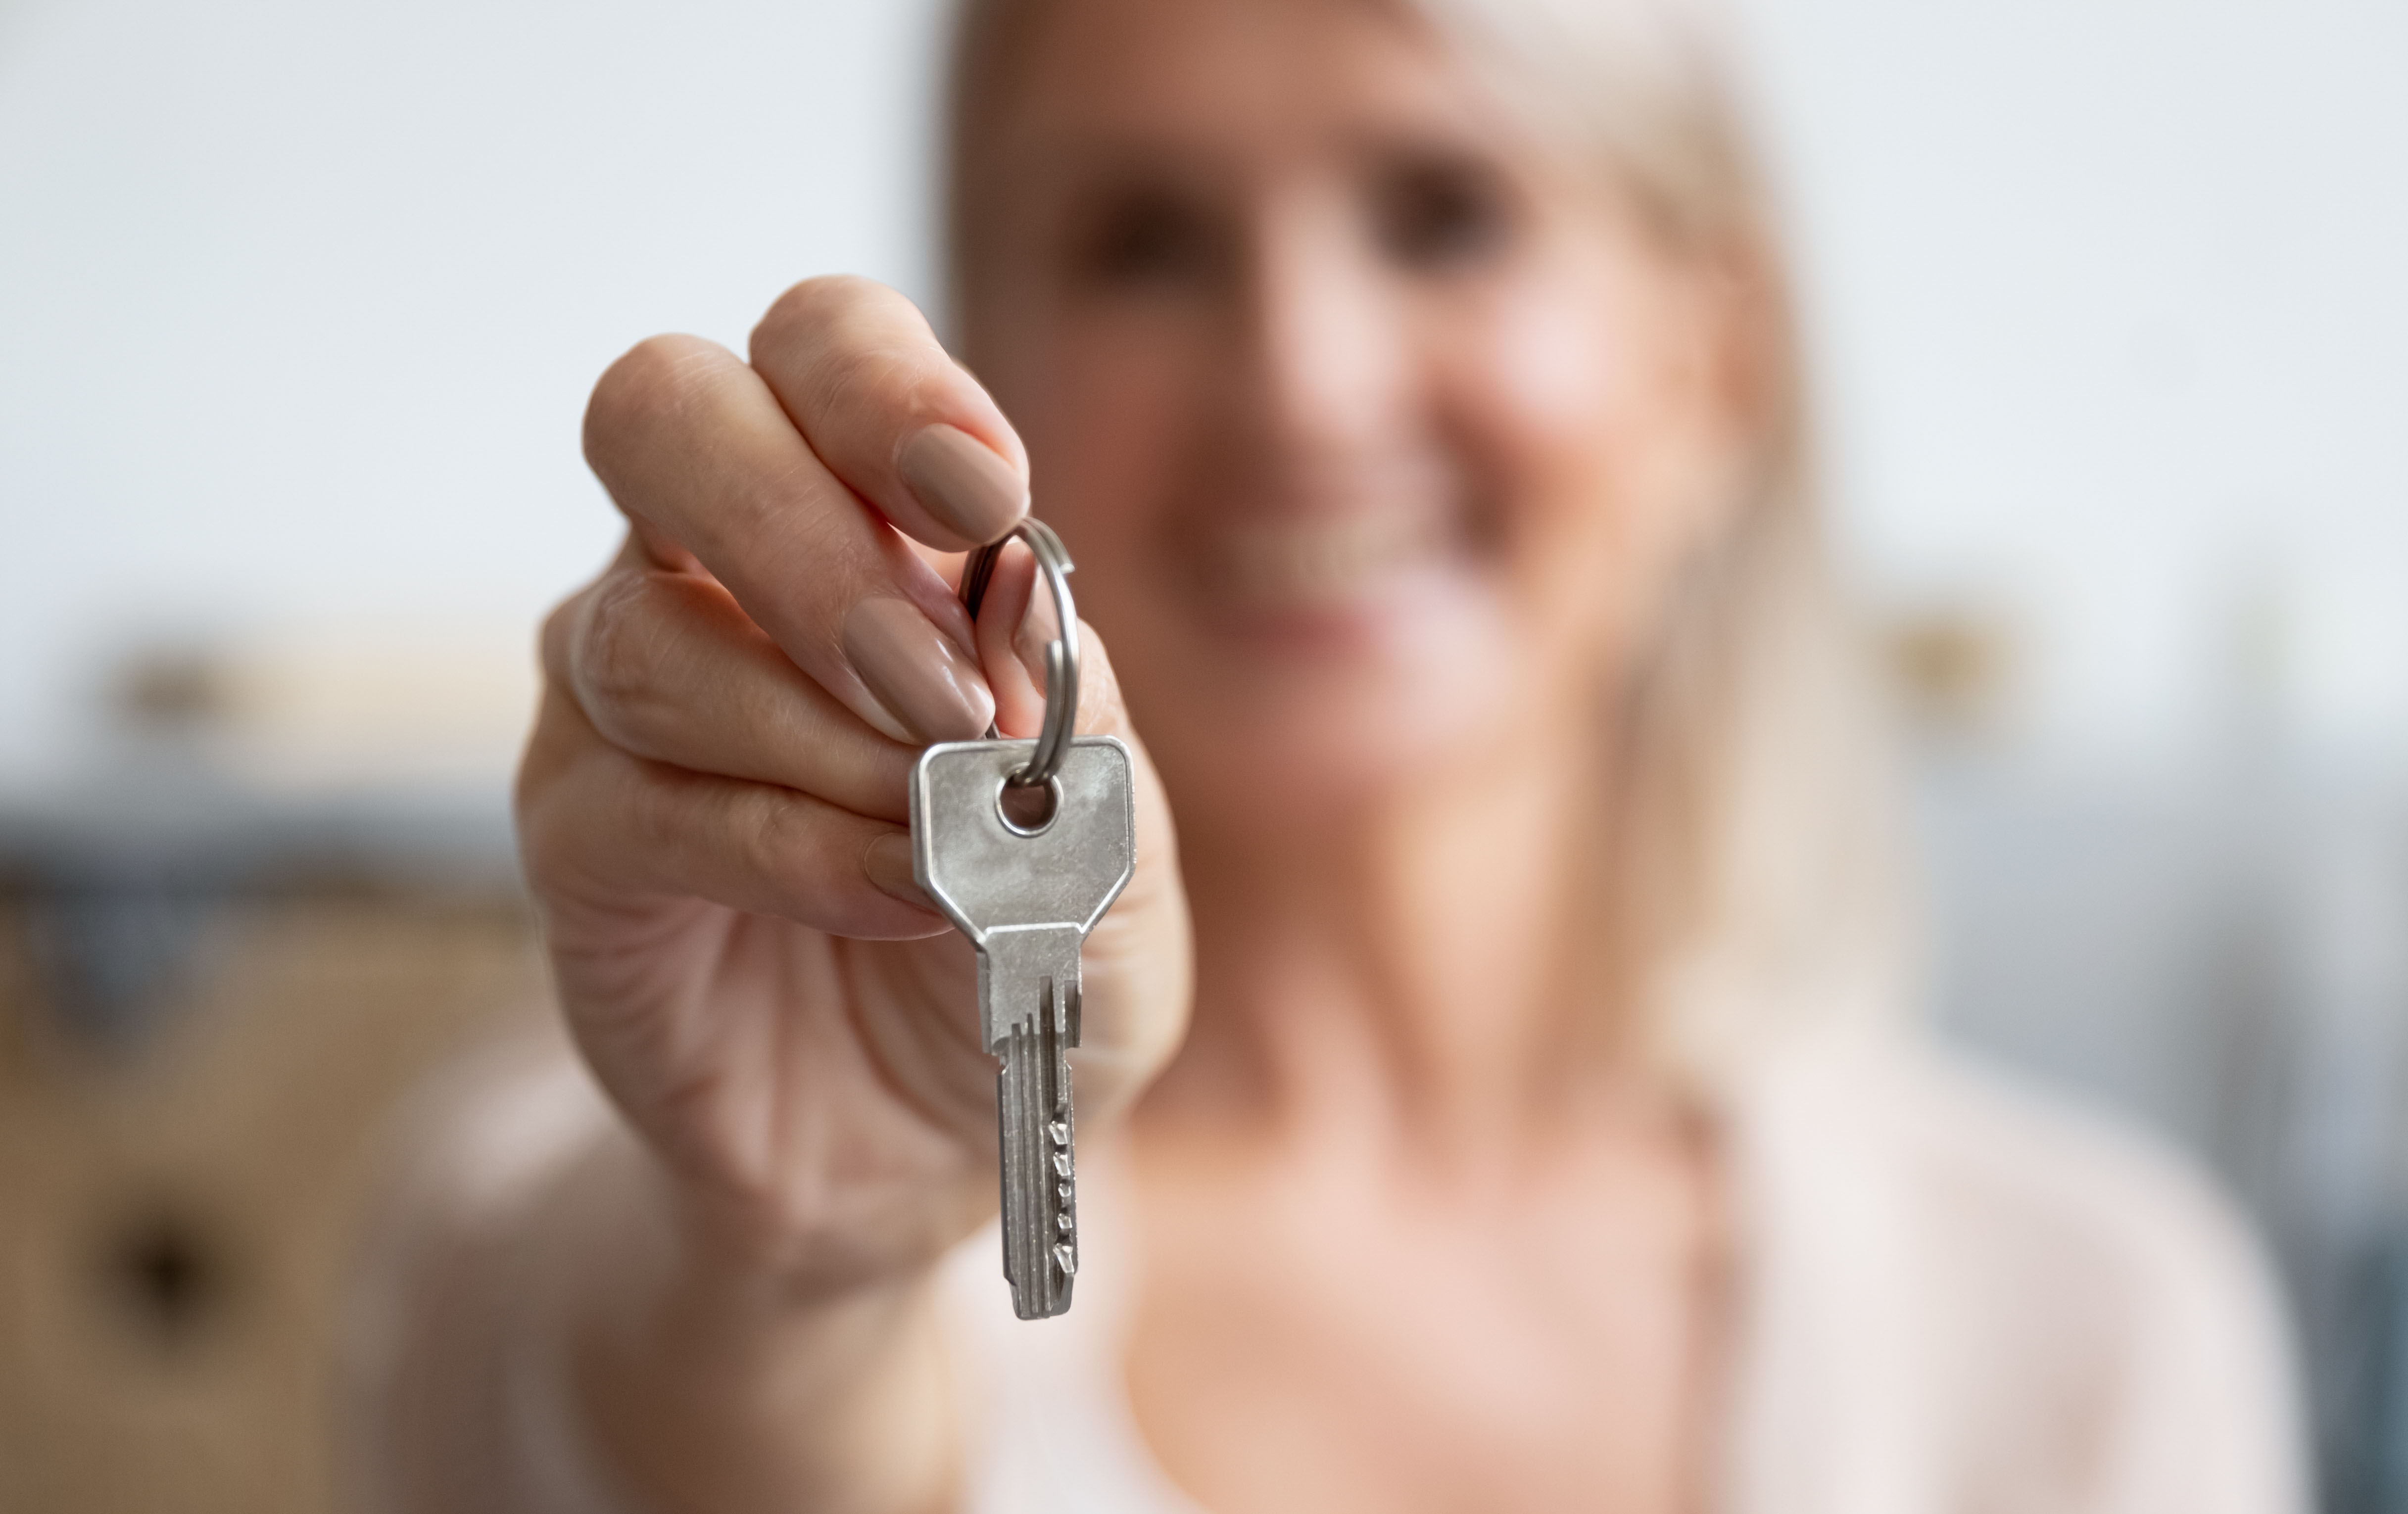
(1027, 808)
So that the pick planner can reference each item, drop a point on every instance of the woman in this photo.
(1413, 385)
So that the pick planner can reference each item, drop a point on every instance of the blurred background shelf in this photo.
(210, 1009)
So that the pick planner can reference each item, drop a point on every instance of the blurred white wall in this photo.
(2112, 298)
(299, 304)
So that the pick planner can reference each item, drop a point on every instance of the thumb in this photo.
(1017, 620)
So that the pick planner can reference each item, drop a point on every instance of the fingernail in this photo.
(887, 864)
(929, 685)
(957, 478)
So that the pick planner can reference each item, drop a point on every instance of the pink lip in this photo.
(1402, 605)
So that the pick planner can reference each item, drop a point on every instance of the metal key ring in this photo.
(1061, 654)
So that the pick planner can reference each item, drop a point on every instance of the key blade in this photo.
(986, 875)
(1035, 1128)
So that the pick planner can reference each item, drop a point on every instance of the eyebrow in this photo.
(1135, 159)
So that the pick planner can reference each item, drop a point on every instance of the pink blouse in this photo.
(1956, 1296)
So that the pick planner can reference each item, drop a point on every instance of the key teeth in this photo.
(1035, 1128)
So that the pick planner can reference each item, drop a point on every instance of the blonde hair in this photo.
(1761, 892)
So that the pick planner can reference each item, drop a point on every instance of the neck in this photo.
(1429, 967)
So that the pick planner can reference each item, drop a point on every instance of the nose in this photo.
(1323, 371)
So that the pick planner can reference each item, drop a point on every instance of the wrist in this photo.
(712, 1368)
(759, 1261)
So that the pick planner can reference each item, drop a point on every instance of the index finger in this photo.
(857, 369)
(694, 448)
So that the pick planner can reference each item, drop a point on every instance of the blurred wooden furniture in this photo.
(206, 1026)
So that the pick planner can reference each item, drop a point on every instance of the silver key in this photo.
(1026, 891)
(1024, 844)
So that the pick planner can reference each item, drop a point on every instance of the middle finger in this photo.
(666, 666)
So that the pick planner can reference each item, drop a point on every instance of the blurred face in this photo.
(1377, 425)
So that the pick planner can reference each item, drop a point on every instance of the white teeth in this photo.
(1318, 563)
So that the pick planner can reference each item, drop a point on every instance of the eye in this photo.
(1139, 238)
(1443, 217)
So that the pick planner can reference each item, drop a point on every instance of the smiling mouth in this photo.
(1319, 564)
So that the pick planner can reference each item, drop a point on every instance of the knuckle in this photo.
(618, 647)
(555, 638)
(789, 847)
(829, 305)
(848, 340)
(656, 377)
(776, 847)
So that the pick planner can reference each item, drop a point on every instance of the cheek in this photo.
(1544, 371)
(1570, 401)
